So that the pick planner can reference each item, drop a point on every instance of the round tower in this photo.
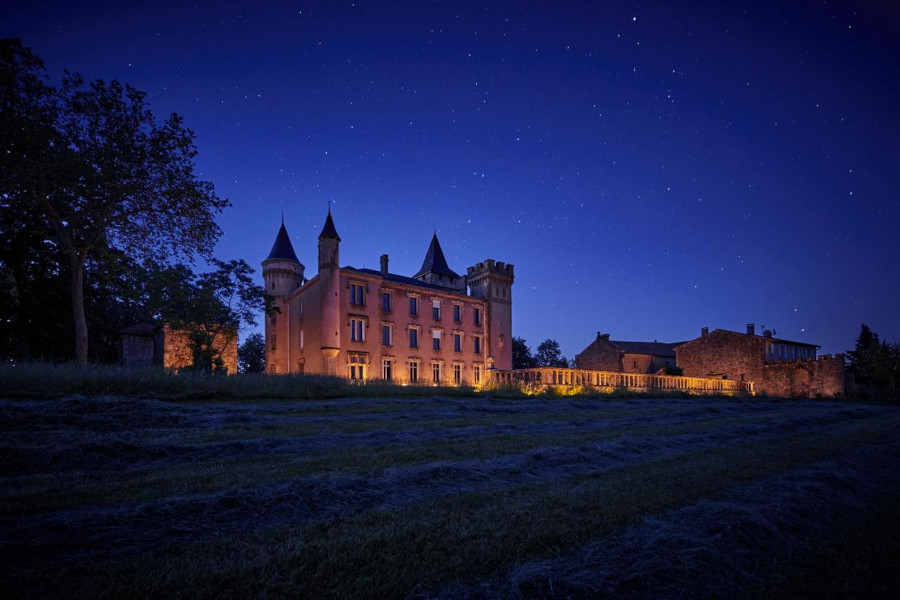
(282, 274)
(282, 271)
(330, 282)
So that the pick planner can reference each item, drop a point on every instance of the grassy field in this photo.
(448, 497)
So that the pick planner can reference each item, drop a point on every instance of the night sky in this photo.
(650, 168)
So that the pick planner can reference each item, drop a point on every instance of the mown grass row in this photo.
(191, 474)
(395, 552)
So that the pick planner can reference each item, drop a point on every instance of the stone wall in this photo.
(600, 355)
(804, 378)
(178, 353)
(733, 355)
(722, 353)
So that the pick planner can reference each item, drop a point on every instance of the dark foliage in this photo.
(521, 354)
(875, 364)
(549, 355)
(86, 171)
(252, 354)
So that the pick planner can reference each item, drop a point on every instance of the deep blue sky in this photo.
(649, 167)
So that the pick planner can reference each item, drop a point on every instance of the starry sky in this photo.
(650, 168)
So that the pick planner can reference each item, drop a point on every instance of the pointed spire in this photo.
(329, 230)
(282, 249)
(434, 261)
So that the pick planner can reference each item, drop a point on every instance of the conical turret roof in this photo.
(282, 249)
(329, 231)
(434, 261)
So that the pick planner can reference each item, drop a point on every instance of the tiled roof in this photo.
(406, 280)
(654, 348)
(329, 230)
(282, 249)
(434, 261)
(139, 329)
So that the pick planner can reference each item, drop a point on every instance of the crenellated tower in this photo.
(282, 274)
(330, 282)
(492, 281)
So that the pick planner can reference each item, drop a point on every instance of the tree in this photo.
(210, 306)
(875, 364)
(252, 354)
(99, 170)
(521, 354)
(549, 355)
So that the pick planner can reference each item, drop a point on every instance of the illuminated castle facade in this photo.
(434, 327)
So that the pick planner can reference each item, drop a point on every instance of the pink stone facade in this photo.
(365, 324)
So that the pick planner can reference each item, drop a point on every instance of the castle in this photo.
(436, 327)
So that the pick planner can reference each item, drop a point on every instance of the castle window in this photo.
(357, 366)
(477, 314)
(457, 374)
(413, 371)
(357, 294)
(413, 337)
(413, 306)
(457, 342)
(387, 368)
(436, 309)
(436, 340)
(476, 374)
(476, 344)
(385, 302)
(457, 313)
(436, 372)
(272, 342)
(357, 330)
(301, 339)
(386, 335)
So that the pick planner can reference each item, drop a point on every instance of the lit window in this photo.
(357, 297)
(477, 313)
(436, 372)
(385, 302)
(476, 372)
(457, 374)
(387, 367)
(413, 306)
(413, 371)
(357, 330)
(413, 338)
(476, 344)
(386, 335)
(436, 309)
(457, 342)
(357, 367)
(457, 313)
(436, 340)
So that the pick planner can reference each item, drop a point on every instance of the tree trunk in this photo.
(81, 331)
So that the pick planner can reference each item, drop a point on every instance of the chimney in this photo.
(605, 336)
(704, 331)
(751, 328)
(384, 264)
(767, 333)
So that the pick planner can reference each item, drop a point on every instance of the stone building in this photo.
(145, 345)
(434, 327)
(777, 367)
(620, 356)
